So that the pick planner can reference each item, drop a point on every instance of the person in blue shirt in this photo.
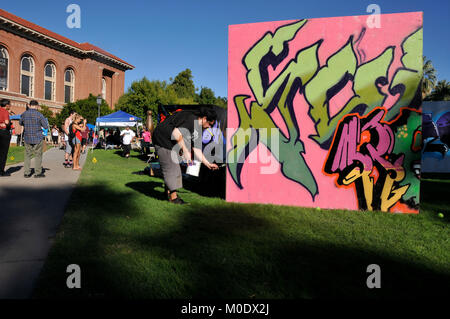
(33, 122)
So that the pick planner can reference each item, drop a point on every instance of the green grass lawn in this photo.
(131, 243)
(16, 154)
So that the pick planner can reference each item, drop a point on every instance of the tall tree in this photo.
(183, 85)
(206, 96)
(144, 95)
(87, 108)
(429, 77)
(221, 101)
(48, 114)
(441, 92)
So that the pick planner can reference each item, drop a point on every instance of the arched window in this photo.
(27, 76)
(49, 81)
(69, 86)
(4, 60)
(104, 88)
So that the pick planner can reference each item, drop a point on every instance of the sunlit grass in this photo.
(131, 243)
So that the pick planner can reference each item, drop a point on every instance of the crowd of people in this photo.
(173, 139)
(73, 137)
(123, 139)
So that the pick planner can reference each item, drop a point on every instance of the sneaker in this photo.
(39, 175)
(178, 200)
(27, 175)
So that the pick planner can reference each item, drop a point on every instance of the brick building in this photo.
(38, 64)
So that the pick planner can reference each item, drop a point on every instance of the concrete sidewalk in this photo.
(31, 212)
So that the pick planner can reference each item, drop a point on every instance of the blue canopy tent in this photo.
(118, 119)
(15, 117)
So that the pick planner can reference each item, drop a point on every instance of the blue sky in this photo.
(162, 38)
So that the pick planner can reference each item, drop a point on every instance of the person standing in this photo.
(5, 135)
(78, 125)
(101, 137)
(127, 137)
(177, 133)
(84, 137)
(55, 135)
(146, 141)
(33, 122)
(68, 155)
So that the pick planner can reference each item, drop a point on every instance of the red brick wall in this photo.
(88, 74)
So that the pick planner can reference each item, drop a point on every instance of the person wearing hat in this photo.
(5, 135)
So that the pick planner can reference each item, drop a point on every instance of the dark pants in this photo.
(126, 149)
(5, 139)
(145, 148)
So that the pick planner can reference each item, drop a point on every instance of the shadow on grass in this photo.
(204, 251)
(149, 189)
(434, 196)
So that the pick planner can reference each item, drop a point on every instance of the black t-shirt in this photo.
(188, 125)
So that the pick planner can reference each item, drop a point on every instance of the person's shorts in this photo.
(68, 147)
(55, 139)
(76, 140)
(171, 169)
(83, 141)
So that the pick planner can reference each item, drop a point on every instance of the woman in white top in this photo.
(55, 135)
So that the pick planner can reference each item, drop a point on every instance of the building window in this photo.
(104, 88)
(4, 58)
(69, 86)
(27, 76)
(49, 81)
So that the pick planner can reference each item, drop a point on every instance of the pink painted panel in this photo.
(309, 79)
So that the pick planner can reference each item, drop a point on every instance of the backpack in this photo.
(71, 132)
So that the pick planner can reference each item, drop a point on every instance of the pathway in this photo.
(31, 210)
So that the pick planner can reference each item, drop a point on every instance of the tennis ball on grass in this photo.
(12, 158)
(94, 160)
(441, 215)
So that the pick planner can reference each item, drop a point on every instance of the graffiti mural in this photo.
(436, 137)
(375, 157)
(335, 105)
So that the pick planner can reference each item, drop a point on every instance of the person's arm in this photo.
(66, 127)
(77, 127)
(176, 134)
(44, 122)
(6, 122)
(199, 155)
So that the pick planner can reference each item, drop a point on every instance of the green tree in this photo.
(429, 77)
(48, 114)
(87, 108)
(221, 101)
(144, 95)
(441, 92)
(206, 96)
(183, 85)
